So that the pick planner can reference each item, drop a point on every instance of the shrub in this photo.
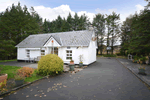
(136, 57)
(50, 64)
(109, 55)
(25, 71)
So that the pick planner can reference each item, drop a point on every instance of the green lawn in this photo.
(8, 60)
(10, 69)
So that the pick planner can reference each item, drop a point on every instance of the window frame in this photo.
(70, 55)
(42, 53)
(27, 53)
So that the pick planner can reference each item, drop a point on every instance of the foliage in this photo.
(26, 71)
(81, 58)
(7, 49)
(34, 77)
(136, 57)
(135, 33)
(143, 59)
(18, 75)
(3, 84)
(3, 90)
(99, 23)
(50, 64)
(114, 32)
(16, 23)
(8, 60)
(109, 55)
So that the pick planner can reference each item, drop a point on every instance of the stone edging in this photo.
(135, 74)
(14, 89)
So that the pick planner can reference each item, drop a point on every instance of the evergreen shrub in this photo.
(50, 64)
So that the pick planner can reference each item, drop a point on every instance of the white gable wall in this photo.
(92, 52)
(49, 43)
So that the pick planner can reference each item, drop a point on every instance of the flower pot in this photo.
(71, 67)
(3, 77)
(71, 62)
(19, 82)
(80, 64)
(142, 72)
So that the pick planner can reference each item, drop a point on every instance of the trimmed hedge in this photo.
(109, 55)
(50, 64)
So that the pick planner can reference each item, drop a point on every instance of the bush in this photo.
(109, 55)
(25, 71)
(50, 64)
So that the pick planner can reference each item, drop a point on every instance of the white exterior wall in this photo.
(22, 54)
(75, 54)
(92, 52)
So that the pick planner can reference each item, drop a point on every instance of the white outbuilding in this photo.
(67, 45)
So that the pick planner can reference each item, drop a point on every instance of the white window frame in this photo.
(42, 52)
(27, 53)
(68, 54)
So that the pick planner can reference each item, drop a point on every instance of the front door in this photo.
(55, 50)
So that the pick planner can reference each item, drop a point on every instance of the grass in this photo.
(8, 60)
(10, 69)
(105, 55)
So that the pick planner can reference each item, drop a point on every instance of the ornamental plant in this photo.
(25, 71)
(81, 58)
(50, 64)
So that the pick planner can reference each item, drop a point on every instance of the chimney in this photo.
(91, 28)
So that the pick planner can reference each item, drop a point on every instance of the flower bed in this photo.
(18, 73)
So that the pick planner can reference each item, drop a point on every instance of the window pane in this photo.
(42, 50)
(70, 57)
(70, 51)
(70, 54)
(67, 58)
(67, 54)
(67, 51)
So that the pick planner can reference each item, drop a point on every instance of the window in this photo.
(42, 52)
(56, 51)
(28, 53)
(68, 54)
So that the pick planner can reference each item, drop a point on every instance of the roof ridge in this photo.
(58, 32)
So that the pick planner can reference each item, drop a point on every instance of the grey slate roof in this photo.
(72, 38)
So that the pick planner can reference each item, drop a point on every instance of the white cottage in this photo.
(66, 45)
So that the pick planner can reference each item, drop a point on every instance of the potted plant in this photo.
(143, 60)
(142, 70)
(19, 79)
(3, 77)
(71, 62)
(81, 60)
(71, 65)
(135, 59)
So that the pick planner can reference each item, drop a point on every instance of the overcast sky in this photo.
(50, 9)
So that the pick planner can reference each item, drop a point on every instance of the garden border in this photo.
(14, 89)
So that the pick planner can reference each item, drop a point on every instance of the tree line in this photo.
(16, 23)
(135, 33)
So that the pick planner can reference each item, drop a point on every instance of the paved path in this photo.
(134, 68)
(106, 79)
